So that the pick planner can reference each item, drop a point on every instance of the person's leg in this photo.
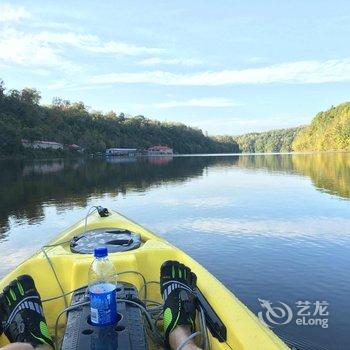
(179, 335)
(22, 314)
(17, 346)
(23, 346)
(177, 285)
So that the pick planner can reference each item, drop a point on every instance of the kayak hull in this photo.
(56, 268)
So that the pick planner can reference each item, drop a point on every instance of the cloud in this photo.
(199, 102)
(29, 50)
(121, 48)
(57, 85)
(93, 43)
(201, 202)
(241, 125)
(153, 61)
(300, 72)
(330, 228)
(256, 59)
(49, 49)
(9, 13)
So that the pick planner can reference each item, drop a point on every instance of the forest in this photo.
(266, 142)
(23, 117)
(328, 131)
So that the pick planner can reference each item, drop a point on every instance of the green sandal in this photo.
(177, 285)
(21, 309)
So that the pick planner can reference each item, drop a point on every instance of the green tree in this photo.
(31, 134)
(10, 142)
(329, 130)
(2, 88)
(267, 142)
(30, 96)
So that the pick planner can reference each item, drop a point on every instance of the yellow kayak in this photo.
(61, 267)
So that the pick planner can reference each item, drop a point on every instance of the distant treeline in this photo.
(269, 141)
(22, 117)
(328, 131)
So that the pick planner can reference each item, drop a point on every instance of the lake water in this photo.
(270, 227)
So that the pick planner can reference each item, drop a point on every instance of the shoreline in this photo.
(83, 156)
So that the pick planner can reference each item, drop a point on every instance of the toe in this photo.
(181, 271)
(15, 292)
(187, 274)
(3, 311)
(165, 273)
(193, 280)
(5, 300)
(25, 285)
(3, 304)
(165, 269)
(10, 296)
(168, 269)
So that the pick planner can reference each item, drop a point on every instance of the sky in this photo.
(224, 66)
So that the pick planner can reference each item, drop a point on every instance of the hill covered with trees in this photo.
(328, 131)
(23, 117)
(270, 141)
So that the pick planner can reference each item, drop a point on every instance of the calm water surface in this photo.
(270, 227)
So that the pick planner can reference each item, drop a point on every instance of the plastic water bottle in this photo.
(102, 289)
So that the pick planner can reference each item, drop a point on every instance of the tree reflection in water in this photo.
(27, 186)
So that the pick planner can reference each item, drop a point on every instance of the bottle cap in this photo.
(100, 252)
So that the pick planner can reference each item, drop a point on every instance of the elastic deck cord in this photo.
(152, 314)
(64, 295)
(192, 336)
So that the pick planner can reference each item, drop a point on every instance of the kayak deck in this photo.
(56, 271)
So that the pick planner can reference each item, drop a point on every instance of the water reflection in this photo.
(255, 221)
(328, 171)
(26, 186)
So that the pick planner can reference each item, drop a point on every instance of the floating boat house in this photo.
(128, 152)
(159, 150)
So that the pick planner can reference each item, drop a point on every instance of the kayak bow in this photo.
(58, 268)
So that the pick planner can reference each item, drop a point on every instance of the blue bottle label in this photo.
(103, 304)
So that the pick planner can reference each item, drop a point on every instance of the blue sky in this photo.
(227, 67)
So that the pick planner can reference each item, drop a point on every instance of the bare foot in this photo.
(17, 346)
(179, 335)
